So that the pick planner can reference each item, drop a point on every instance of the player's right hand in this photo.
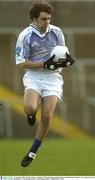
(50, 64)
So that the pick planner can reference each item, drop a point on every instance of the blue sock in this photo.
(36, 145)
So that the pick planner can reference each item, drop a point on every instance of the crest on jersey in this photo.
(18, 50)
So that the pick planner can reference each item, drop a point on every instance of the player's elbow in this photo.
(21, 65)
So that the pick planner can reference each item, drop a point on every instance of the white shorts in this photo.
(45, 83)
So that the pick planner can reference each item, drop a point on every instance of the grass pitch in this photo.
(56, 157)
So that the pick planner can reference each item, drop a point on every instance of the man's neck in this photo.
(39, 29)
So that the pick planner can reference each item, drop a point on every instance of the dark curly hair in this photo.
(40, 6)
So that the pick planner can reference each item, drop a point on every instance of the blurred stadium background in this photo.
(75, 116)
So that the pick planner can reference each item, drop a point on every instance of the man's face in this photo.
(42, 21)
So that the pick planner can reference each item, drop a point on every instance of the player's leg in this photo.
(48, 106)
(31, 102)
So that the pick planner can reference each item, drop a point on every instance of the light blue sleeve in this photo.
(59, 35)
(22, 48)
(61, 38)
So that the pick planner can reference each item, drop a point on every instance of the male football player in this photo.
(42, 83)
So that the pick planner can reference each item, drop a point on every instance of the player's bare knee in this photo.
(29, 110)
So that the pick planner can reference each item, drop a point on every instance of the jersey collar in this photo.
(35, 29)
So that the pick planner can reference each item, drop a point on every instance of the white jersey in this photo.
(31, 45)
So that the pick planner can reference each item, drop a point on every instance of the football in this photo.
(60, 53)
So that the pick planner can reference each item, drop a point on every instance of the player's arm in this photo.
(49, 64)
(31, 65)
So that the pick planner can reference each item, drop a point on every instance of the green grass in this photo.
(56, 157)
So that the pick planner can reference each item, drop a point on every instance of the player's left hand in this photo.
(68, 61)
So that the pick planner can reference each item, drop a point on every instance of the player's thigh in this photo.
(31, 99)
(48, 105)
